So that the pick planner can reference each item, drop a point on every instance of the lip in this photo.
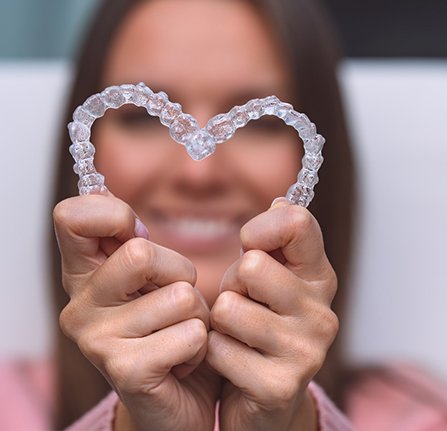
(193, 231)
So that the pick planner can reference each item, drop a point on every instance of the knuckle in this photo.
(325, 321)
(332, 282)
(59, 213)
(67, 317)
(91, 335)
(251, 265)
(330, 325)
(299, 218)
(312, 357)
(185, 297)
(72, 317)
(197, 332)
(137, 253)
(91, 342)
(63, 212)
(223, 308)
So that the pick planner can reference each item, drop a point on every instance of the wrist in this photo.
(306, 416)
(123, 421)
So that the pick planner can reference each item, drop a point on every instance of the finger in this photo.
(245, 368)
(259, 276)
(249, 322)
(182, 343)
(195, 351)
(182, 371)
(81, 220)
(147, 361)
(275, 336)
(160, 309)
(294, 231)
(135, 264)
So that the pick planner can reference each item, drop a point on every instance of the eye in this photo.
(134, 119)
(265, 125)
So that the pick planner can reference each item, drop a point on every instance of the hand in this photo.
(135, 315)
(272, 323)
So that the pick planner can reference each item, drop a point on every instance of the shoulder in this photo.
(398, 396)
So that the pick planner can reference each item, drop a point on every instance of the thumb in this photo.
(279, 202)
(290, 230)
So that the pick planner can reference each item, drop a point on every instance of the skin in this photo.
(203, 322)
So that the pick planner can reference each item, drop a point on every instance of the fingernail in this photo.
(279, 202)
(140, 229)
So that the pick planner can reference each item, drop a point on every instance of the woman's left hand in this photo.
(272, 323)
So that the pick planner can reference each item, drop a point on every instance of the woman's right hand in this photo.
(148, 345)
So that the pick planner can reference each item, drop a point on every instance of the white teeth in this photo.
(200, 228)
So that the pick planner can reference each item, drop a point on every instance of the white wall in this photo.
(398, 119)
(31, 102)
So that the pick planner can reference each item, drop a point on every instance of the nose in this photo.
(206, 178)
(209, 177)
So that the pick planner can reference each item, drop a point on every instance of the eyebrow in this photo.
(242, 96)
(234, 96)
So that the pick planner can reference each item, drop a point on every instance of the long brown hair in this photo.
(309, 41)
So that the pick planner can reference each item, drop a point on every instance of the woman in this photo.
(255, 330)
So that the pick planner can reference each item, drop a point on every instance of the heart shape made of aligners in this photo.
(184, 129)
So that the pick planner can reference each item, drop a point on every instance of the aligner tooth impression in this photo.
(184, 129)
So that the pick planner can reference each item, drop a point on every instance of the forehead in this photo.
(199, 47)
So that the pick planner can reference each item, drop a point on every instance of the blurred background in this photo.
(394, 80)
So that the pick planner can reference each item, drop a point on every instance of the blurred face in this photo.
(208, 55)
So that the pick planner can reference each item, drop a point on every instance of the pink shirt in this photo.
(26, 395)
(376, 404)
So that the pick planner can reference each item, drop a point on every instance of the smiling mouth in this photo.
(195, 233)
(206, 228)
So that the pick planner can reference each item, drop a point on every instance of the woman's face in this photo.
(208, 56)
